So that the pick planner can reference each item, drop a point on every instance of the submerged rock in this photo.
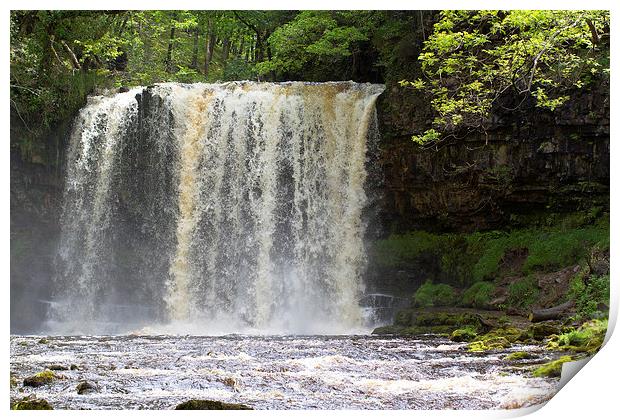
(86, 387)
(40, 379)
(210, 405)
(28, 403)
(57, 367)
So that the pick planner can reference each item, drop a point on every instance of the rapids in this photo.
(279, 372)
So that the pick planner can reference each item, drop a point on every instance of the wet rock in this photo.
(74, 367)
(86, 387)
(28, 403)
(387, 330)
(210, 405)
(231, 382)
(40, 379)
(542, 330)
(57, 367)
(43, 341)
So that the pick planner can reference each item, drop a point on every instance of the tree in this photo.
(475, 59)
(313, 37)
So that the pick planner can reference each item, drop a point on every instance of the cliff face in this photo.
(528, 162)
(36, 192)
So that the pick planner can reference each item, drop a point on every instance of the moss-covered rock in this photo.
(41, 378)
(14, 381)
(493, 343)
(496, 339)
(588, 338)
(464, 334)
(210, 405)
(519, 355)
(31, 404)
(552, 369)
(543, 330)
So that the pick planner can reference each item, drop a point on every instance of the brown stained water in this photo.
(278, 372)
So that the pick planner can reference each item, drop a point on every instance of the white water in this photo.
(217, 208)
(279, 372)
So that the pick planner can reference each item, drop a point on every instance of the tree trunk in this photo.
(169, 68)
(259, 49)
(225, 51)
(195, 50)
(210, 43)
(241, 47)
(556, 312)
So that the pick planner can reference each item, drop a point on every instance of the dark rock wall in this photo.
(531, 161)
(36, 192)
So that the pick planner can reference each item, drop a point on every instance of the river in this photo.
(278, 372)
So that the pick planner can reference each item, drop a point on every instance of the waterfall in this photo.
(217, 208)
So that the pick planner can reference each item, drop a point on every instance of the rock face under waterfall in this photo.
(231, 207)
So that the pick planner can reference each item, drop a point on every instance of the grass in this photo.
(465, 259)
(523, 293)
(479, 294)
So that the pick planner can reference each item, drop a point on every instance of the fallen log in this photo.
(555, 312)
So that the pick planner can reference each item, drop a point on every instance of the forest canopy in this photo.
(464, 61)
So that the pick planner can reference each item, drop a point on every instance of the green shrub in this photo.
(523, 293)
(430, 294)
(588, 296)
(479, 294)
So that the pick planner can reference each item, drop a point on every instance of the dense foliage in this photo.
(475, 61)
(470, 62)
(59, 57)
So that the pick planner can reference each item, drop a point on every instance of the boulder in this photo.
(31, 404)
(86, 387)
(40, 379)
(210, 405)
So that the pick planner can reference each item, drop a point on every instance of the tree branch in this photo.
(74, 60)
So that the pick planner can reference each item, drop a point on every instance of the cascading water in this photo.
(217, 208)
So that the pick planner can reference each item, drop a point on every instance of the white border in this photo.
(592, 394)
